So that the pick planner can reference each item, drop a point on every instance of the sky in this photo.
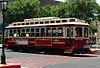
(98, 1)
(61, 0)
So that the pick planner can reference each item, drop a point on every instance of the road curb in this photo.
(9, 65)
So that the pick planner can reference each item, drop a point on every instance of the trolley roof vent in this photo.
(42, 18)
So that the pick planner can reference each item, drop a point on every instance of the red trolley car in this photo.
(48, 34)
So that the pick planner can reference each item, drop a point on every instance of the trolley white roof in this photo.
(56, 21)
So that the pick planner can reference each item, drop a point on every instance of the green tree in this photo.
(93, 28)
(62, 10)
(82, 9)
(97, 12)
(22, 9)
(45, 11)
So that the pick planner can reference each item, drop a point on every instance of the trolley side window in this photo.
(32, 32)
(15, 31)
(23, 30)
(60, 32)
(78, 32)
(58, 21)
(15, 34)
(70, 32)
(11, 33)
(42, 32)
(48, 32)
(41, 22)
(23, 33)
(63, 21)
(37, 32)
(23, 23)
(46, 22)
(27, 30)
(36, 22)
(31, 23)
(52, 21)
(85, 32)
(18, 32)
(54, 32)
(72, 20)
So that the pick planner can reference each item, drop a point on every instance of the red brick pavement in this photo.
(42, 60)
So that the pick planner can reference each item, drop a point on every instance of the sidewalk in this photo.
(9, 65)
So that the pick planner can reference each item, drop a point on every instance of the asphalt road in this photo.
(93, 63)
(33, 60)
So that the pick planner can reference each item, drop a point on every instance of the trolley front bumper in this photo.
(84, 51)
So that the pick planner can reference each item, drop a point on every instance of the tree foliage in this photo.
(93, 28)
(97, 12)
(21, 9)
(82, 9)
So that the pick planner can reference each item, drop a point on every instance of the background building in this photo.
(48, 2)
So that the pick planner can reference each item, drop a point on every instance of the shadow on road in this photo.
(59, 54)
(84, 55)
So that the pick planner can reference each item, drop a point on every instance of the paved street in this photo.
(31, 60)
(89, 62)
